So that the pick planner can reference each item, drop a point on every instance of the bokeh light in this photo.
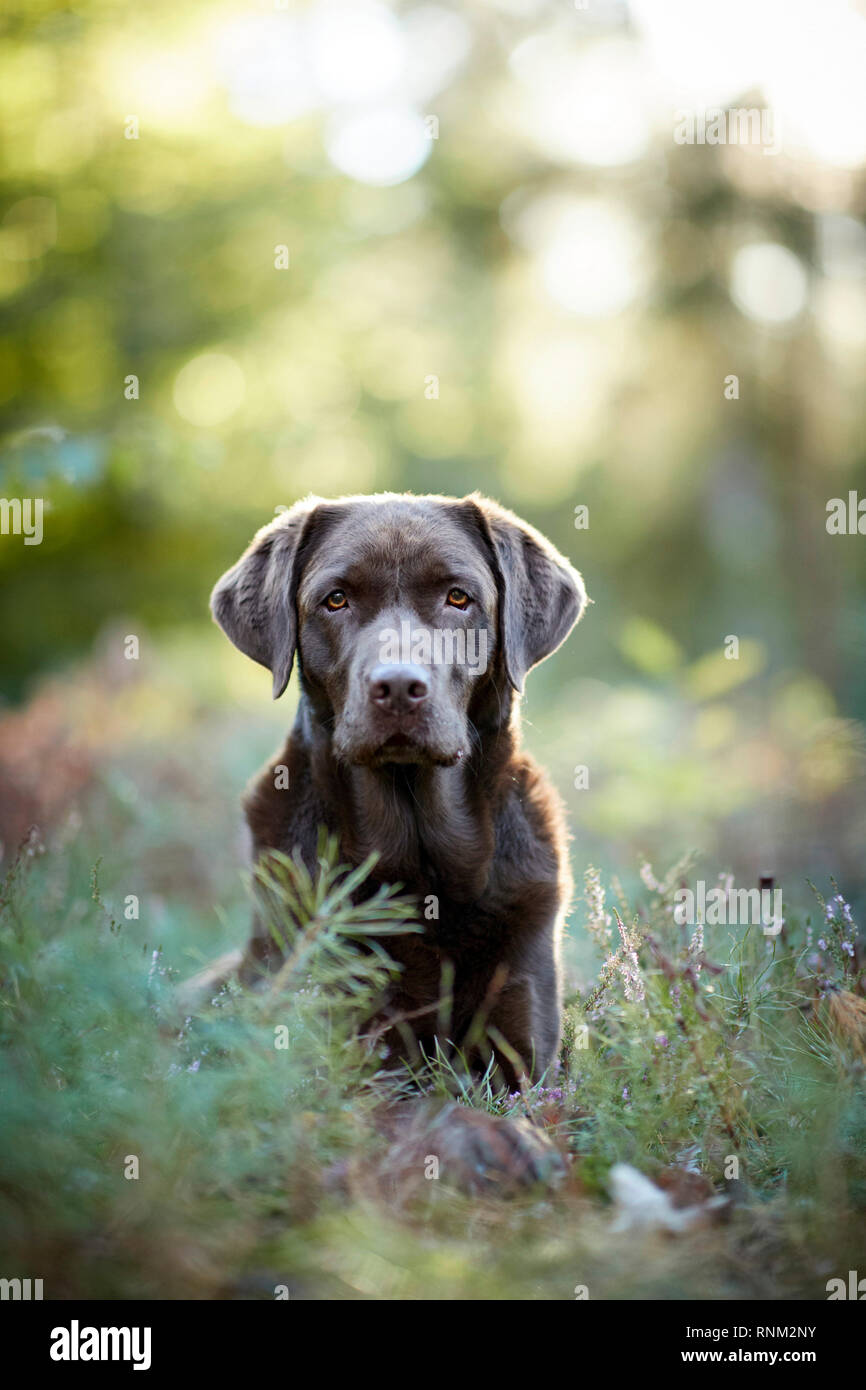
(768, 283)
(209, 389)
(381, 147)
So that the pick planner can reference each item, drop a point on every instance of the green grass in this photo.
(253, 1123)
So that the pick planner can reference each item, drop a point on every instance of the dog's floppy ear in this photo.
(541, 595)
(254, 602)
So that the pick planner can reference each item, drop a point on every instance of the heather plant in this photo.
(227, 1151)
(701, 1039)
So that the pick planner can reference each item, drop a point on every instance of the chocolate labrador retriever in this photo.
(415, 621)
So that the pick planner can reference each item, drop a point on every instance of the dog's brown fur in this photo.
(458, 814)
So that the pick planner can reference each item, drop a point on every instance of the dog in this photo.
(414, 621)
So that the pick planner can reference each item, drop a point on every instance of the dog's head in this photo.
(404, 612)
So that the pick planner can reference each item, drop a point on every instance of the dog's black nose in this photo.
(398, 689)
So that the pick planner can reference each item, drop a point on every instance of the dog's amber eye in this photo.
(457, 598)
(336, 600)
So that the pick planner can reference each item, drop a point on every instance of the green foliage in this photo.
(245, 1116)
(711, 1046)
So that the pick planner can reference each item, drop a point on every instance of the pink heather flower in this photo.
(696, 948)
(598, 919)
(648, 878)
(629, 965)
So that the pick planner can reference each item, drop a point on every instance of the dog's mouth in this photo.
(401, 748)
(398, 742)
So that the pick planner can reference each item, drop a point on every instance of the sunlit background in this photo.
(357, 246)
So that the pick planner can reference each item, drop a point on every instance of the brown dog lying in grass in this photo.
(415, 621)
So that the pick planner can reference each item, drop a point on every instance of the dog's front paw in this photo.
(474, 1151)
